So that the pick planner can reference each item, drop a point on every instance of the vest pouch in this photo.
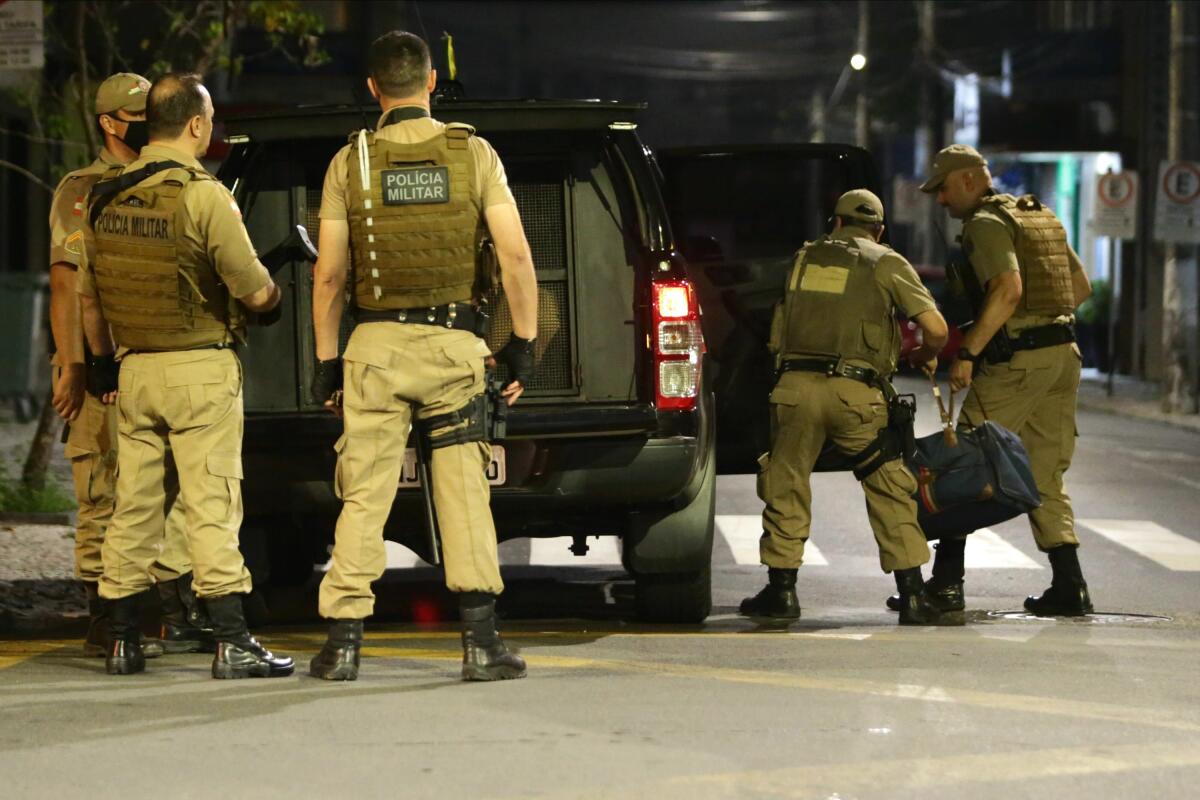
(873, 337)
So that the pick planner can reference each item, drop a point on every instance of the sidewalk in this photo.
(1131, 398)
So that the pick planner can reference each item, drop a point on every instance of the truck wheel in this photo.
(680, 598)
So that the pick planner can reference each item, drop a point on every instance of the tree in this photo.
(87, 41)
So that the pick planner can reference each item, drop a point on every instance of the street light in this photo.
(858, 61)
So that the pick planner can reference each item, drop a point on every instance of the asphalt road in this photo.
(842, 704)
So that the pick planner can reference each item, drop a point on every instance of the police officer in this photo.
(91, 444)
(169, 267)
(401, 209)
(1019, 358)
(836, 342)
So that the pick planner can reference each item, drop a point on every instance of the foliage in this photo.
(17, 497)
(1095, 310)
(87, 41)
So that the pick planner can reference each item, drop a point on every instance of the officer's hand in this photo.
(102, 375)
(326, 386)
(68, 391)
(517, 355)
(961, 373)
(268, 318)
(928, 367)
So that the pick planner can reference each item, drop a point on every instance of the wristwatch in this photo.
(966, 355)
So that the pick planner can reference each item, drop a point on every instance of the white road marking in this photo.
(986, 550)
(742, 532)
(400, 557)
(602, 551)
(1150, 540)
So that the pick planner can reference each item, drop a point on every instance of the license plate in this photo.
(496, 472)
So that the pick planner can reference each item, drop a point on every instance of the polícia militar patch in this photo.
(415, 185)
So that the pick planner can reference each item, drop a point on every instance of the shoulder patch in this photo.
(73, 243)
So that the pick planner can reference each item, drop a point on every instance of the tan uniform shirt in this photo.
(67, 209)
(492, 182)
(989, 244)
(212, 227)
(895, 276)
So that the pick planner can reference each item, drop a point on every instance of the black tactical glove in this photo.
(102, 374)
(269, 318)
(517, 355)
(327, 379)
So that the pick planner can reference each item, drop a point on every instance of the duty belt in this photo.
(458, 316)
(1042, 336)
(221, 346)
(832, 368)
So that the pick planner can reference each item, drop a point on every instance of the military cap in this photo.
(860, 205)
(123, 90)
(950, 159)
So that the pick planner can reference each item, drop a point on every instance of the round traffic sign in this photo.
(1116, 189)
(1181, 182)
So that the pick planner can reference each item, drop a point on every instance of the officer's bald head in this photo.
(175, 100)
(399, 64)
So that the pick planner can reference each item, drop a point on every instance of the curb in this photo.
(1188, 422)
(37, 517)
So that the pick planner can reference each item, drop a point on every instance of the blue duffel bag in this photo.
(983, 479)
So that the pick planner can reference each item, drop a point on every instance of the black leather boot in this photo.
(944, 588)
(185, 625)
(776, 600)
(125, 656)
(1068, 593)
(338, 659)
(97, 639)
(239, 655)
(485, 657)
(915, 607)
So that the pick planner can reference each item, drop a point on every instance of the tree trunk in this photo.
(37, 463)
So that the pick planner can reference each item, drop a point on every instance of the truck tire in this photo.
(680, 598)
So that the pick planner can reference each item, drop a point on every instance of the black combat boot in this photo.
(485, 657)
(1068, 592)
(97, 639)
(776, 600)
(338, 659)
(915, 606)
(239, 655)
(944, 589)
(125, 656)
(185, 625)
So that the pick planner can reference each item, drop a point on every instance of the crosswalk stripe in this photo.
(1150, 540)
(742, 531)
(602, 551)
(986, 550)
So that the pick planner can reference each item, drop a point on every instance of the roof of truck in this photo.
(486, 115)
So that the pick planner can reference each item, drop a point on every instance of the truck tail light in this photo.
(678, 345)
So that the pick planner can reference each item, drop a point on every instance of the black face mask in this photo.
(136, 135)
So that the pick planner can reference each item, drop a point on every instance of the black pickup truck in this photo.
(656, 277)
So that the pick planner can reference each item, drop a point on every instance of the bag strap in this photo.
(949, 433)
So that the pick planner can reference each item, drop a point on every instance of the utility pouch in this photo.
(496, 411)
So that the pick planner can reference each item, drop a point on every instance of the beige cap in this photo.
(861, 205)
(123, 90)
(950, 159)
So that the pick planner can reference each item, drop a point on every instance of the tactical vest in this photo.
(834, 307)
(413, 227)
(156, 293)
(1041, 247)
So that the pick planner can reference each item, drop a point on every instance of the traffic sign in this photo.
(1177, 205)
(1115, 213)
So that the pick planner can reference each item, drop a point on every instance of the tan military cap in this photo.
(123, 90)
(861, 205)
(949, 159)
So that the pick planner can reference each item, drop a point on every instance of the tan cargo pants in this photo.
(806, 409)
(392, 370)
(91, 448)
(1034, 397)
(191, 402)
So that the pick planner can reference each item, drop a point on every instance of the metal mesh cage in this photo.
(553, 354)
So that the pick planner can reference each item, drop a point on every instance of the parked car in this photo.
(617, 434)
